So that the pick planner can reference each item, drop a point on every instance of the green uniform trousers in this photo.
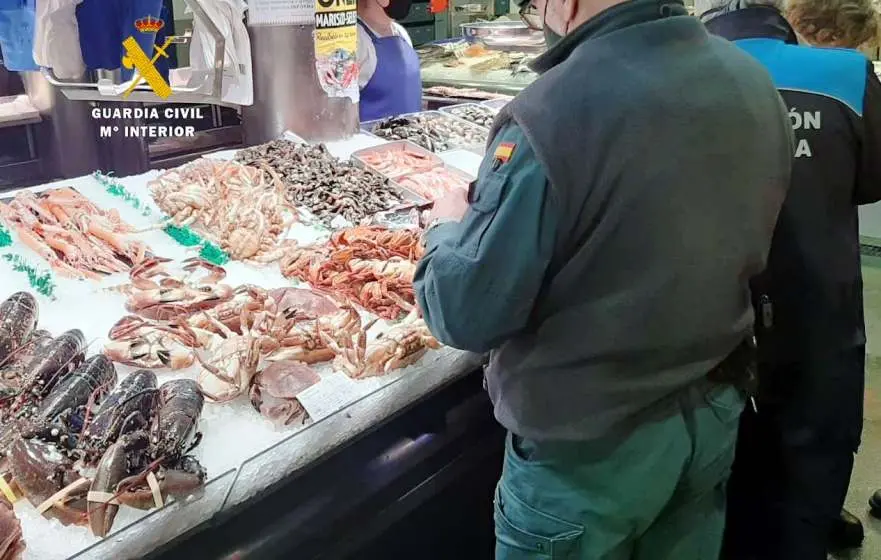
(659, 494)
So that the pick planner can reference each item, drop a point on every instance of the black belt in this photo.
(738, 368)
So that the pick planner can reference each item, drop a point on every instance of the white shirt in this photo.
(367, 52)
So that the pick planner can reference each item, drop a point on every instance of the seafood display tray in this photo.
(243, 454)
(369, 127)
(406, 194)
(394, 146)
(401, 145)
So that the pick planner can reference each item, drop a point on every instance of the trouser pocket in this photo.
(522, 532)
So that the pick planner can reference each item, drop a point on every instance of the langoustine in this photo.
(72, 234)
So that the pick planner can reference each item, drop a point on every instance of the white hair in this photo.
(718, 7)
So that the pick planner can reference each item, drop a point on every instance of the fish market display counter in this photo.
(459, 64)
(287, 455)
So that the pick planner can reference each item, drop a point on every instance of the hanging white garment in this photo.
(238, 80)
(57, 38)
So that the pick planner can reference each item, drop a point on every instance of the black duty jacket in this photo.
(809, 301)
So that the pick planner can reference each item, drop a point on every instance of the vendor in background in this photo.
(389, 76)
(796, 453)
(848, 24)
(603, 257)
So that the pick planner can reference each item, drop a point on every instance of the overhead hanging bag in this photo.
(238, 82)
(56, 42)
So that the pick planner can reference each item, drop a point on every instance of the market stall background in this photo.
(242, 452)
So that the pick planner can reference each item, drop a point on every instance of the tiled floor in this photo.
(867, 473)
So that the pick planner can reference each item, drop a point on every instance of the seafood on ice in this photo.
(154, 292)
(394, 160)
(435, 183)
(233, 359)
(158, 334)
(473, 113)
(371, 266)
(435, 132)
(145, 467)
(89, 447)
(325, 186)
(43, 458)
(240, 207)
(18, 319)
(275, 390)
(151, 344)
(76, 238)
(402, 345)
(230, 363)
(49, 365)
(463, 93)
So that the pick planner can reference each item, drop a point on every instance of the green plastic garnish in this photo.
(188, 238)
(117, 190)
(40, 281)
(5, 238)
(183, 235)
(213, 254)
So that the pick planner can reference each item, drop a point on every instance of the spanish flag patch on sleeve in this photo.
(504, 151)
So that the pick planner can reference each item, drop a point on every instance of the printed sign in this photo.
(336, 44)
(280, 12)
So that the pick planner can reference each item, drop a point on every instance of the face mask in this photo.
(398, 9)
(551, 37)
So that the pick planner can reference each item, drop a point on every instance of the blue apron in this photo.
(396, 85)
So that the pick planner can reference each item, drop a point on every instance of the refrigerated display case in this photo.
(373, 450)
(491, 57)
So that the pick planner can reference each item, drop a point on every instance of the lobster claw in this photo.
(186, 479)
(113, 468)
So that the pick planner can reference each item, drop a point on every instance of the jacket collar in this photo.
(620, 16)
(755, 22)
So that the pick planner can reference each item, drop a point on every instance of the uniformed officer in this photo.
(602, 257)
(795, 455)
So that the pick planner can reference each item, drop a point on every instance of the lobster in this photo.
(143, 469)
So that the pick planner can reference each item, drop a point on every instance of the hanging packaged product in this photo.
(17, 35)
(336, 45)
(238, 79)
